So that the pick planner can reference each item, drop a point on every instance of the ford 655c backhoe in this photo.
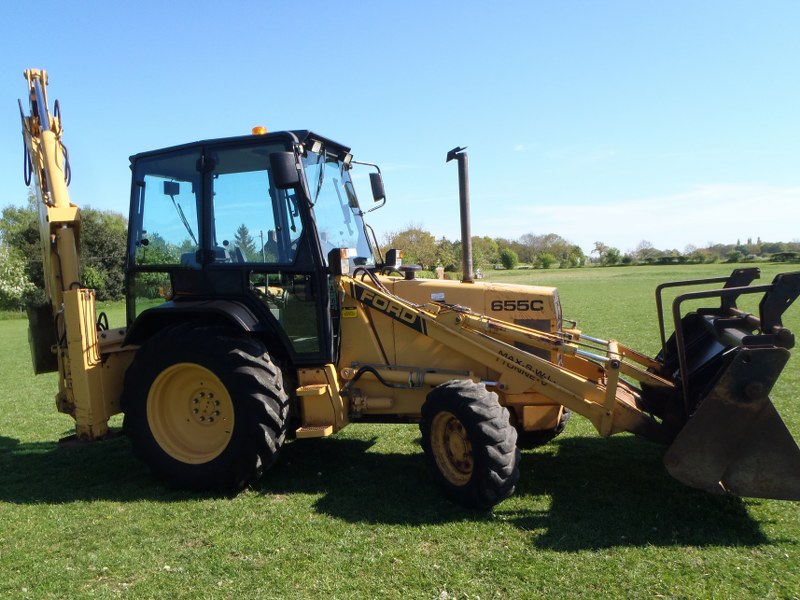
(259, 307)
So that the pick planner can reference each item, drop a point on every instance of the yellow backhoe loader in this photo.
(259, 307)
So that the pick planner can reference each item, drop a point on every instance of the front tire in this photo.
(469, 444)
(205, 408)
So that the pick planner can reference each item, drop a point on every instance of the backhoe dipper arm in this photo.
(84, 392)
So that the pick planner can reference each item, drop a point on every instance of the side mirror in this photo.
(172, 188)
(376, 181)
(283, 168)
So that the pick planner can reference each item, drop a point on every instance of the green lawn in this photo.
(356, 516)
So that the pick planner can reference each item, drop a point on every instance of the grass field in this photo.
(356, 516)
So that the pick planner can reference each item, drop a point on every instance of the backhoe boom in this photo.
(66, 327)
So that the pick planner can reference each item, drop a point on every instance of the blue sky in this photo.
(672, 122)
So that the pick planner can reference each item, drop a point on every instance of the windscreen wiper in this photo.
(183, 219)
(319, 179)
(293, 211)
(345, 207)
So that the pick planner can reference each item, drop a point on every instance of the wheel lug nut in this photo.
(195, 410)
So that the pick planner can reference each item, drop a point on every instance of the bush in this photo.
(14, 284)
(509, 258)
(93, 279)
(545, 260)
(734, 257)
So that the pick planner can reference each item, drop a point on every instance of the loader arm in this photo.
(716, 449)
(606, 400)
(66, 327)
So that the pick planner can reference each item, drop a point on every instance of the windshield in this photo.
(248, 220)
(339, 220)
(254, 221)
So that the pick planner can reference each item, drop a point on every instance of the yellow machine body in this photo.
(416, 363)
(226, 356)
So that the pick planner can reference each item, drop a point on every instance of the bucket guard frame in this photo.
(729, 436)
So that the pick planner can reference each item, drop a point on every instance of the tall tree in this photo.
(103, 248)
(245, 242)
(446, 254)
(484, 252)
(612, 257)
(418, 246)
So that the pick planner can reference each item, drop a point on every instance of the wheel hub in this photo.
(204, 407)
(452, 448)
(190, 413)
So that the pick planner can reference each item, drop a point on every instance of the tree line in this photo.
(423, 248)
(550, 250)
(750, 251)
(103, 239)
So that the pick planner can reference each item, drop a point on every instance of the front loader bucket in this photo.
(727, 435)
(735, 441)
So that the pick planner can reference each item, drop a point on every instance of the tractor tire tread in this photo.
(255, 384)
(493, 441)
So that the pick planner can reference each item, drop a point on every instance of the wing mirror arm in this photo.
(376, 183)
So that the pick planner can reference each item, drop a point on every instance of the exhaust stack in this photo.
(463, 199)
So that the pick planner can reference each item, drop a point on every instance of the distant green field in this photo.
(357, 516)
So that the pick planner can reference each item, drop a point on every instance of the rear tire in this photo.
(205, 408)
(469, 444)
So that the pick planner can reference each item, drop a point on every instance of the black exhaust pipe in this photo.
(463, 198)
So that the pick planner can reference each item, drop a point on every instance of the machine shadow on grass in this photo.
(616, 492)
(44, 472)
(596, 493)
(602, 493)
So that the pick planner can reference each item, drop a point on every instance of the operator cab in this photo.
(240, 229)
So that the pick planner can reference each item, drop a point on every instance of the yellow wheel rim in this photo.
(190, 413)
(451, 448)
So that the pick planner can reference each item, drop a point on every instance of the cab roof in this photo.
(298, 136)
